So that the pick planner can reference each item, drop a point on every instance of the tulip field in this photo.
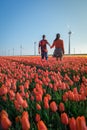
(43, 95)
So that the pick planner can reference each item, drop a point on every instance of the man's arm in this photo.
(48, 44)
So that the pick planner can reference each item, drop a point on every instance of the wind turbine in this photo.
(69, 33)
(21, 49)
(34, 48)
(13, 51)
(69, 47)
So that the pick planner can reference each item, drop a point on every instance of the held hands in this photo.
(50, 47)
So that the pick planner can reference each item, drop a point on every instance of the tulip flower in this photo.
(25, 121)
(41, 125)
(53, 106)
(64, 118)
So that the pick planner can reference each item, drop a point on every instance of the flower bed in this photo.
(43, 95)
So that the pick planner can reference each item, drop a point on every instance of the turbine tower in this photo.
(21, 50)
(69, 41)
(13, 51)
(34, 48)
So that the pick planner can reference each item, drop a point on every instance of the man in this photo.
(42, 49)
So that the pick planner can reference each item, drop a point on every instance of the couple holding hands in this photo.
(57, 43)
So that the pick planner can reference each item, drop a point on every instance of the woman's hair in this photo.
(57, 36)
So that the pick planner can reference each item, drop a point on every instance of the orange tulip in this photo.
(76, 97)
(41, 125)
(26, 85)
(3, 112)
(3, 90)
(5, 122)
(64, 118)
(19, 98)
(78, 125)
(53, 106)
(38, 107)
(50, 85)
(46, 99)
(65, 96)
(72, 123)
(46, 105)
(32, 98)
(85, 91)
(71, 95)
(11, 95)
(24, 105)
(17, 105)
(61, 107)
(38, 97)
(26, 95)
(37, 118)
(48, 96)
(81, 123)
(25, 121)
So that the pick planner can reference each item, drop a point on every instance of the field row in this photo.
(43, 95)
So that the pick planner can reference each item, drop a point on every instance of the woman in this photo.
(59, 47)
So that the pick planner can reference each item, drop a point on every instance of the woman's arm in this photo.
(52, 45)
(63, 46)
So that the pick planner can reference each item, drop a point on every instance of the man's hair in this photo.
(43, 36)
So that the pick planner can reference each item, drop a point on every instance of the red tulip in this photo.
(53, 106)
(64, 118)
(61, 107)
(37, 118)
(5, 122)
(41, 125)
(38, 107)
(25, 121)
(72, 123)
(81, 123)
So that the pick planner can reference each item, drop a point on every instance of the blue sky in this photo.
(23, 22)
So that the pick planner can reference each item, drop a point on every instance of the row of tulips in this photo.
(43, 95)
